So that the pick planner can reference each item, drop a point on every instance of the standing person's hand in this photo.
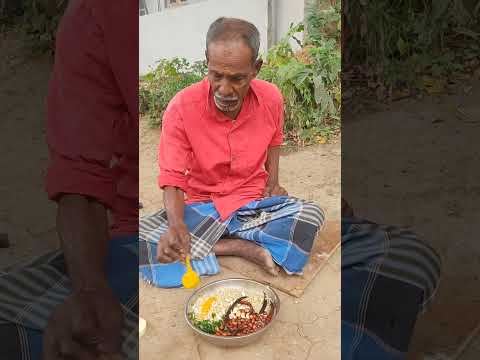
(174, 244)
(87, 326)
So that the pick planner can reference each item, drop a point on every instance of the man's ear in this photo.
(258, 66)
(206, 55)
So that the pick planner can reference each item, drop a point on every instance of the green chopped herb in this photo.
(208, 326)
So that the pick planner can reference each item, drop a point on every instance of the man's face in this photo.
(230, 71)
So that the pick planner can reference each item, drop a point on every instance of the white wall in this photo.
(181, 31)
(152, 5)
(287, 12)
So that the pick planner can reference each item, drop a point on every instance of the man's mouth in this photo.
(222, 102)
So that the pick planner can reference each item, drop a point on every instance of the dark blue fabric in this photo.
(366, 347)
(122, 276)
(283, 225)
(122, 266)
(388, 276)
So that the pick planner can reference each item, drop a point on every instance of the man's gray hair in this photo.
(231, 29)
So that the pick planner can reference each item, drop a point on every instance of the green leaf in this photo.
(301, 76)
(39, 22)
(402, 46)
(437, 70)
(438, 8)
(322, 97)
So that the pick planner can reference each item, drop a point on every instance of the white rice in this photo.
(225, 297)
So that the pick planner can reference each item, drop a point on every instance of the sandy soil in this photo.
(415, 164)
(30, 216)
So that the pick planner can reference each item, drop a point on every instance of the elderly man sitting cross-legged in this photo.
(219, 163)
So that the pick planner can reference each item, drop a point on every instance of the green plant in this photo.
(41, 19)
(401, 40)
(323, 23)
(309, 78)
(159, 86)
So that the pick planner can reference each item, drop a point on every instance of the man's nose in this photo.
(225, 89)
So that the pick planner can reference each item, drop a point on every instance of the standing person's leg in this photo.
(28, 295)
(388, 278)
(20, 342)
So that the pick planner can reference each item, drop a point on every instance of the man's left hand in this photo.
(274, 190)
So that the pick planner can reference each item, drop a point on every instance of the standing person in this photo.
(81, 302)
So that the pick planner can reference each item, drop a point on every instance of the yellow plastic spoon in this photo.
(190, 279)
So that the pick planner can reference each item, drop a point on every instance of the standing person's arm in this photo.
(83, 230)
(89, 322)
(174, 151)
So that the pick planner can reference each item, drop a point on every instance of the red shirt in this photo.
(92, 108)
(212, 158)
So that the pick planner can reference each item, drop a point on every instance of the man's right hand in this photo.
(174, 244)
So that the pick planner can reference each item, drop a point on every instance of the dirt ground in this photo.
(416, 164)
(306, 327)
(29, 216)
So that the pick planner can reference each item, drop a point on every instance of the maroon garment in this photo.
(92, 108)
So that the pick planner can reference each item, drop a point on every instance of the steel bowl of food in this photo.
(232, 312)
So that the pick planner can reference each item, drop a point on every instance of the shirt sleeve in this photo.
(278, 137)
(174, 151)
(83, 106)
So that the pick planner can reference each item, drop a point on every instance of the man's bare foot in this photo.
(248, 250)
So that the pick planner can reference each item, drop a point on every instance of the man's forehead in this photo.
(234, 50)
(225, 69)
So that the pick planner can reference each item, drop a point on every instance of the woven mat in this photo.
(325, 245)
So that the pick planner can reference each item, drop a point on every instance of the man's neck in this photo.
(233, 116)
